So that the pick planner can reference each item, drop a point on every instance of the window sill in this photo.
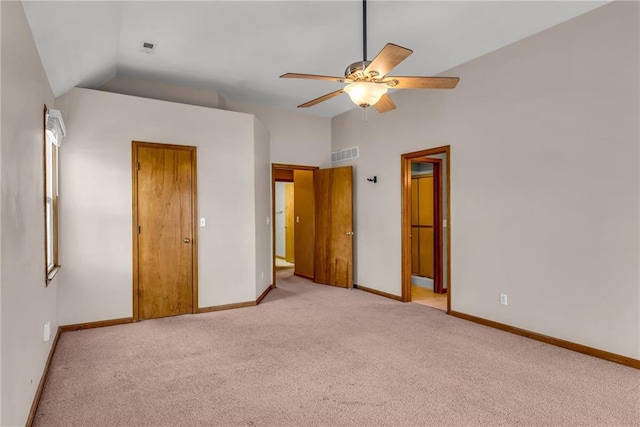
(51, 274)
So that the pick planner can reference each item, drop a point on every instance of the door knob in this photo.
(186, 240)
(349, 233)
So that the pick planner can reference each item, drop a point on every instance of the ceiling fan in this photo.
(368, 81)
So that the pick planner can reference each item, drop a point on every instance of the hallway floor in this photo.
(427, 297)
(281, 263)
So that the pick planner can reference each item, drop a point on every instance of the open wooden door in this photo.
(289, 224)
(303, 211)
(334, 226)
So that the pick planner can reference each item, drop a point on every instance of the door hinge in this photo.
(137, 165)
(138, 229)
(139, 293)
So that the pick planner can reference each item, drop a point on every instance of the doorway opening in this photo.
(284, 225)
(294, 219)
(319, 231)
(426, 228)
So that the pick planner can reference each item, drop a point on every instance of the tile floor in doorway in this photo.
(281, 263)
(427, 297)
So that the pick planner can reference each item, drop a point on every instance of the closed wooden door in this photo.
(289, 224)
(334, 226)
(415, 230)
(425, 222)
(164, 241)
(415, 250)
(304, 222)
(422, 226)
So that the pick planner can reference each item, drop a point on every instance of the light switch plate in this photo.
(203, 222)
(47, 331)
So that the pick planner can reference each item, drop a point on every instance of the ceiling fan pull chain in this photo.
(364, 30)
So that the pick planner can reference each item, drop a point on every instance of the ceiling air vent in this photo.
(346, 154)
(148, 47)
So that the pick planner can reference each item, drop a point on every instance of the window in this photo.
(54, 132)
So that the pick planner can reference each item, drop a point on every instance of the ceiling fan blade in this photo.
(384, 104)
(390, 56)
(424, 82)
(320, 99)
(311, 77)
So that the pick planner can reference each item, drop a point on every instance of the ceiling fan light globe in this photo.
(365, 94)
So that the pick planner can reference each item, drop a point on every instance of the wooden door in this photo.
(415, 230)
(425, 222)
(436, 219)
(289, 224)
(415, 250)
(164, 232)
(303, 211)
(426, 252)
(422, 224)
(334, 226)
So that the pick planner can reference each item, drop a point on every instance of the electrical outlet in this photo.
(47, 331)
(262, 275)
(503, 299)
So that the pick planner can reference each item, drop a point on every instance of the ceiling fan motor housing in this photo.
(355, 71)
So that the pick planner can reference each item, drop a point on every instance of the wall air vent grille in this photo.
(148, 47)
(346, 154)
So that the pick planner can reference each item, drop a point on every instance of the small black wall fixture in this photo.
(374, 179)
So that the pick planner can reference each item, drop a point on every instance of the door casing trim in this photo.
(405, 178)
(194, 220)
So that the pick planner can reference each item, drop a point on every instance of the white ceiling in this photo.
(240, 48)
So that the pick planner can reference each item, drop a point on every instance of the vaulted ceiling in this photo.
(240, 48)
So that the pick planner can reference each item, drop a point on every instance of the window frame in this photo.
(50, 168)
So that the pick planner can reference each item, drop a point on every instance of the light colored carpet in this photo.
(317, 355)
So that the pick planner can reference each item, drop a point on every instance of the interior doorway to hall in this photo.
(284, 225)
(425, 228)
(316, 235)
(294, 219)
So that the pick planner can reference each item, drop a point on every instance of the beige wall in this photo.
(544, 139)
(95, 205)
(0, 221)
(262, 192)
(296, 138)
(26, 302)
(127, 85)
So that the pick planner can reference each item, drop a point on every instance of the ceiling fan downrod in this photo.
(355, 71)
(364, 30)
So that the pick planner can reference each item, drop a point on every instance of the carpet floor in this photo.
(317, 355)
